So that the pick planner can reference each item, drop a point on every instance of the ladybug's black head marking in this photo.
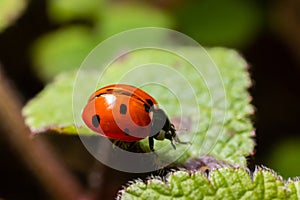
(147, 107)
(162, 128)
(96, 121)
(150, 102)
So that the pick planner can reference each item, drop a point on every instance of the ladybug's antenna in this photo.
(182, 129)
(173, 137)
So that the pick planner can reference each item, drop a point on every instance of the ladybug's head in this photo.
(171, 135)
(161, 127)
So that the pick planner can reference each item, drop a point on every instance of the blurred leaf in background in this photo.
(63, 11)
(10, 10)
(121, 17)
(231, 23)
(61, 50)
(66, 48)
(224, 22)
(284, 157)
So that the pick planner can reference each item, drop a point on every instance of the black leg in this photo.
(151, 143)
(173, 145)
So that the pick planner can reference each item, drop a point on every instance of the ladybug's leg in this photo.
(151, 143)
(173, 145)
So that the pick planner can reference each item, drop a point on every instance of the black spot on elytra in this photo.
(96, 121)
(123, 109)
(126, 131)
(150, 102)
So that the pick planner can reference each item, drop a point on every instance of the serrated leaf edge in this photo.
(258, 169)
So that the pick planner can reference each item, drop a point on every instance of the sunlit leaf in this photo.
(223, 183)
(52, 108)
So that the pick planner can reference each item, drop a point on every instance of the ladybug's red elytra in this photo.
(126, 113)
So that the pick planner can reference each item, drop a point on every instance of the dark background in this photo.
(274, 66)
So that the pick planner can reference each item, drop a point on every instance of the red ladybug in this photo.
(126, 113)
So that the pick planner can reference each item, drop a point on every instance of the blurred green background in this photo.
(41, 38)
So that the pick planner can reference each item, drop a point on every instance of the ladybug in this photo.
(126, 113)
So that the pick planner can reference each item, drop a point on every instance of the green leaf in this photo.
(65, 49)
(67, 10)
(284, 157)
(52, 108)
(10, 10)
(221, 22)
(62, 50)
(120, 17)
(293, 187)
(222, 183)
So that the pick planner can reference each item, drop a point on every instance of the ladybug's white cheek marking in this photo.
(110, 100)
(151, 115)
